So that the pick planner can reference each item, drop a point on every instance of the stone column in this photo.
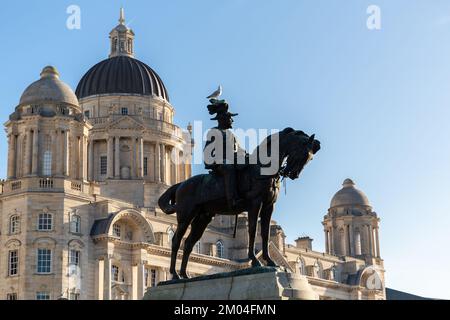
(80, 157)
(352, 241)
(378, 242)
(133, 158)
(27, 168)
(85, 157)
(331, 240)
(176, 159)
(12, 156)
(163, 163)
(107, 279)
(140, 165)
(54, 149)
(141, 280)
(35, 155)
(157, 162)
(117, 157)
(66, 163)
(346, 251)
(61, 155)
(327, 241)
(370, 238)
(91, 160)
(110, 157)
(100, 279)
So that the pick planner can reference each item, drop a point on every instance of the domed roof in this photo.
(349, 195)
(49, 88)
(121, 74)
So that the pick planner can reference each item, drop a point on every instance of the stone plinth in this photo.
(261, 283)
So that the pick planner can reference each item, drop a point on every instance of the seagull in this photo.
(216, 93)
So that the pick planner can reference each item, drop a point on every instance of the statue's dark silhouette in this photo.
(198, 199)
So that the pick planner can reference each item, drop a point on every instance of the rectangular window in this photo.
(44, 261)
(103, 165)
(124, 111)
(153, 277)
(14, 224)
(11, 296)
(45, 222)
(116, 230)
(145, 166)
(47, 163)
(87, 114)
(74, 257)
(115, 273)
(42, 295)
(13, 262)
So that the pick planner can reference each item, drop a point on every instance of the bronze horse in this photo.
(195, 203)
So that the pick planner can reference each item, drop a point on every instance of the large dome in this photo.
(349, 195)
(121, 74)
(49, 88)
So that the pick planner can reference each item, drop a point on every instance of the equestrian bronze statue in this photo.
(232, 187)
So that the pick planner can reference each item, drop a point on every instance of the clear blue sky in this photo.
(379, 101)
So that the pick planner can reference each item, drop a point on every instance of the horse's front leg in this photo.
(253, 214)
(266, 216)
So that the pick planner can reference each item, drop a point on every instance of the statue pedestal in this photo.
(261, 283)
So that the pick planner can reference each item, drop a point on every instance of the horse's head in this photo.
(300, 150)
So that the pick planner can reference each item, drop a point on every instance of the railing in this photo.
(37, 184)
(16, 185)
(46, 183)
(75, 186)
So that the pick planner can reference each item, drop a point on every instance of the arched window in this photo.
(197, 247)
(75, 224)
(170, 234)
(45, 222)
(334, 275)
(301, 267)
(219, 249)
(357, 242)
(115, 273)
(116, 230)
(14, 224)
(47, 163)
(317, 270)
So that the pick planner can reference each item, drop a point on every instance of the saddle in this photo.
(213, 184)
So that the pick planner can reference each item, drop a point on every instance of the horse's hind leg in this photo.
(183, 223)
(198, 226)
(253, 214)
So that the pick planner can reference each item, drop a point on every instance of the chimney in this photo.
(304, 243)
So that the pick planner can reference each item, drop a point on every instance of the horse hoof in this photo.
(270, 263)
(175, 276)
(256, 263)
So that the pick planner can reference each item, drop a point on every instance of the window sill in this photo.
(44, 274)
(76, 234)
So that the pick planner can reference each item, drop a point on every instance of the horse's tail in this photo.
(167, 200)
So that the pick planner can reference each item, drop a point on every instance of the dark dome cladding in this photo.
(121, 74)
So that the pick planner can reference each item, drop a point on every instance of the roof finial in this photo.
(122, 16)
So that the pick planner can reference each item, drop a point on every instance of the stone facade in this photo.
(78, 212)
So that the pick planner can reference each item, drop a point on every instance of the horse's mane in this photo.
(282, 134)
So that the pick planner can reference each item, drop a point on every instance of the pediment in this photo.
(126, 123)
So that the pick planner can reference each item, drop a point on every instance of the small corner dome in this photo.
(349, 196)
(49, 88)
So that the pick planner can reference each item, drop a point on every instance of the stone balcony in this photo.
(51, 184)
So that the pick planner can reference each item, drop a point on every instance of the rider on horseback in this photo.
(222, 153)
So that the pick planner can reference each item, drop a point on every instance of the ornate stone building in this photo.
(78, 212)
